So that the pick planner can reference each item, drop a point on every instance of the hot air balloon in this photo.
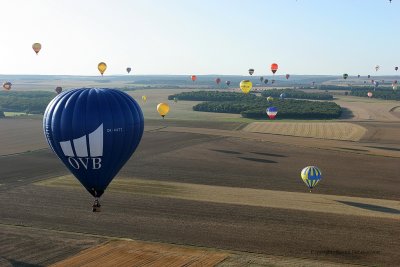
(272, 81)
(162, 109)
(358, 76)
(311, 175)
(287, 76)
(175, 99)
(246, 86)
(313, 83)
(345, 76)
(266, 81)
(395, 81)
(369, 76)
(128, 70)
(218, 80)
(365, 81)
(251, 71)
(377, 67)
(271, 112)
(394, 86)
(144, 98)
(228, 83)
(194, 78)
(7, 86)
(274, 67)
(372, 81)
(376, 84)
(36, 47)
(369, 94)
(270, 99)
(94, 131)
(58, 89)
(396, 68)
(261, 79)
(102, 67)
(282, 96)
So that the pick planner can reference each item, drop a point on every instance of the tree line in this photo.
(30, 102)
(253, 106)
(298, 94)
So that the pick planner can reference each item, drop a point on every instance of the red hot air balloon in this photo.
(218, 80)
(194, 78)
(274, 67)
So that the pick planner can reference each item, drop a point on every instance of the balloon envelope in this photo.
(311, 175)
(266, 81)
(270, 99)
(345, 76)
(271, 112)
(246, 86)
(7, 86)
(369, 94)
(102, 67)
(193, 77)
(396, 68)
(58, 89)
(162, 109)
(287, 76)
(274, 67)
(94, 132)
(128, 70)
(251, 71)
(36, 47)
(228, 83)
(144, 98)
(218, 80)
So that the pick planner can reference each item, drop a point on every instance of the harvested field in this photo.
(328, 130)
(133, 253)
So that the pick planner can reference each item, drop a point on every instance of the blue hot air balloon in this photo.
(94, 132)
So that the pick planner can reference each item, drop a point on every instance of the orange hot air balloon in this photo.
(36, 47)
(194, 78)
(274, 67)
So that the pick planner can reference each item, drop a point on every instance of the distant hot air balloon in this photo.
(271, 112)
(144, 98)
(377, 67)
(282, 96)
(369, 94)
(128, 70)
(102, 67)
(36, 47)
(261, 79)
(194, 78)
(395, 81)
(266, 81)
(162, 109)
(272, 81)
(251, 71)
(228, 83)
(270, 99)
(313, 83)
(7, 86)
(358, 76)
(218, 80)
(372, 81)
(345, 76)
(274, 67)
(396, 68)
(365, 81)
(369, 76)
(394, 86)
(58, 89)
(287, 76)
(175, 99)
(94, 132)
(311, 175)
(246, 86)
(376, 84)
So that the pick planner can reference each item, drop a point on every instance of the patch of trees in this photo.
(290, 93)
(380, 93)
(32, 102)
(287, 109)
(2, 114)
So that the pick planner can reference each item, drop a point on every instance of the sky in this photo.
(227, 37)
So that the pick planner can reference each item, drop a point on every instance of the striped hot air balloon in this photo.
(311, 175)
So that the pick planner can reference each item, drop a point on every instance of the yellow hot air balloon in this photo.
(162, 109)
(144, 98)
(311, 175)
(102, 67)
(36, 47)
(270, 99)
(246, 86)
